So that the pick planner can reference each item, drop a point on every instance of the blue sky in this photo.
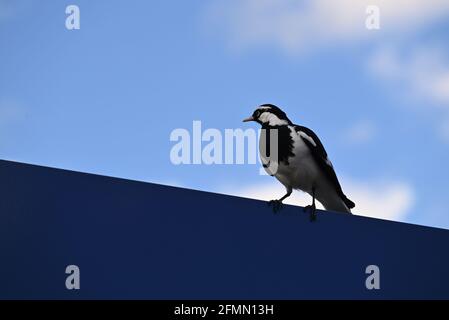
(105, 98)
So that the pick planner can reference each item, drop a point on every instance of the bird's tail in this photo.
(348, 202)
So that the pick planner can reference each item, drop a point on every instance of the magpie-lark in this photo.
(301, 163)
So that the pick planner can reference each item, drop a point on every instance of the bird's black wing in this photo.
(320, 156)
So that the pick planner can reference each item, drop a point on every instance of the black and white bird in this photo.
(302, 162)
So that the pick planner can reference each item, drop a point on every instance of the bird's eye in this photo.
(256, 114)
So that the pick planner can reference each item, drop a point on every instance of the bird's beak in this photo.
(248, 119)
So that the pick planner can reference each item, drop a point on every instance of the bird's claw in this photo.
(312, 209)
(276, 204)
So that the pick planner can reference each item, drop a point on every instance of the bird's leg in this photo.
(312, 207)
(277, 204)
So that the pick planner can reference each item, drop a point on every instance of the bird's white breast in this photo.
(301, 172)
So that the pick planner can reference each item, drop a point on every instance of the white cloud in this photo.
(423, 73)
(390, 200)
(418, 75)
(295, 26)
(361, 132)
(166, 182)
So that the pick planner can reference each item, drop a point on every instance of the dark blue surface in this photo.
(141, 240)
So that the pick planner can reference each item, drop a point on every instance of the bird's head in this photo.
(269, 114)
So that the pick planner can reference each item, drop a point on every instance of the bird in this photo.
(299, 161)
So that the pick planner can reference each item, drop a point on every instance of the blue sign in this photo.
(69, 235)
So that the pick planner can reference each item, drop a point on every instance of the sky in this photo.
(105, 98)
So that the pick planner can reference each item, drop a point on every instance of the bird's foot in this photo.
(276, 204)
(312, 209)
